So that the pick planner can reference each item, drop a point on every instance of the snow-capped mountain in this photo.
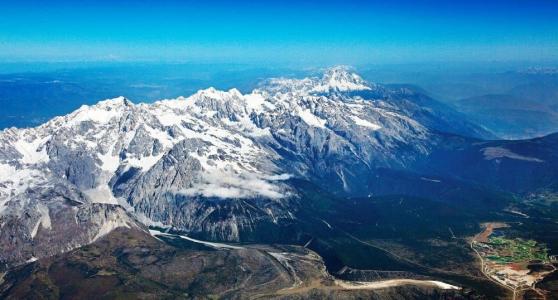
(217, 162)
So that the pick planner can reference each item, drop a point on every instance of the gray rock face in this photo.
(51, 219)
(162, 195)
(78, 166)
(214, 164)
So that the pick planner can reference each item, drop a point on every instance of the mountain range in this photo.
(272, 166)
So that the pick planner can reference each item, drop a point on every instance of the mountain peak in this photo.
(215, 94)
(340, 70)
(102, 112)
(118, 101)
(335, 79)
(341, 78)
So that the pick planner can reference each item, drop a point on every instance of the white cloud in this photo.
(226, 184)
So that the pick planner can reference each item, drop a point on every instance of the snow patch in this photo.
(168, 118)
(364, 123)
(145, 163)
(14, 181)
(254, 102)
(311, 119)
(7, 172)
(102, 113)
(109, 162)
(30, 150)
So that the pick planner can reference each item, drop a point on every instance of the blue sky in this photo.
(331, 32)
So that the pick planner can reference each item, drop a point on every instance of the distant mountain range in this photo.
(527, 110)
(511, 105)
